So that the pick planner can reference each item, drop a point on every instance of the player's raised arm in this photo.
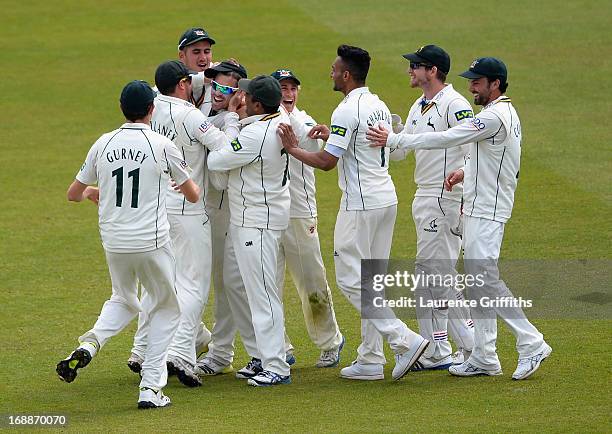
(241, 151)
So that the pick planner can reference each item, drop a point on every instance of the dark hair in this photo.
(135, 115)
(503, 85)
(231, 74)
(268, 109)
(357, 61)
(441, 75)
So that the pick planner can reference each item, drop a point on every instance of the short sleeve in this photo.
(88, 174)
(343, 123)
(459, 111)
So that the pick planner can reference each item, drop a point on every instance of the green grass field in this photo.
(63, 66)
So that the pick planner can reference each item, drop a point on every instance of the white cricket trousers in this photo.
(300, 251)
(368, 235)
(156, 270)
(221, 347)
(482, 240)
(437, 253)
(191, 242)
(254, 298)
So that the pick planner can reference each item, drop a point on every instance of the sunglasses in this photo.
(225, 90)
(417, 65)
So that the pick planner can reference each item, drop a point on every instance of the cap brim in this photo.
(470, 75)
(243, 84)
(290, 78)
(210, 72)
(415, 58)
(202, 38)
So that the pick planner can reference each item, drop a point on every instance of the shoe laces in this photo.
(253, 363)
(273, 376)
(329, 355)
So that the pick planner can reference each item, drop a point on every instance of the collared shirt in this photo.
(132, 166)
(191, 132)
(363, 171)
(492, 169)
(445, 110)
(258, 184)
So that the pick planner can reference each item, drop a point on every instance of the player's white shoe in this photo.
(210, 366)
(269, 378)
(135, 363)
(458, 357)
(404, 361)
(202, 344)
(466, 369)
(250, 370)
(149, 398)
(528, 365)
(359, 371)
(330, 358)
(184, 372)
(424, 364)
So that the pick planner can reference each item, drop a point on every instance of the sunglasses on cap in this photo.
(188, 78)
(417, 65)
(225, 90)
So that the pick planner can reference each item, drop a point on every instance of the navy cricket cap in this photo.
(225, 67)
(264, 88)
(285, 74)
(136, 96)
(432, 55)
(169, 73)
(487, 67)
(193, 35)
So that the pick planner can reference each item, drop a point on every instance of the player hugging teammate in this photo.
(214, 178)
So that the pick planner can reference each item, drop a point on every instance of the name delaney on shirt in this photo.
(126, 154)
(163, 130)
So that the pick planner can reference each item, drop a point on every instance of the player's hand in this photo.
(319, 132)
(236, 102)
(287, 136)
(174, 185)
(453, 178)
(93, 194)
(377, 135)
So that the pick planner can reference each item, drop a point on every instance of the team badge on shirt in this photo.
(205, 126)
(464, 114)
(236, 146)
(338, 130)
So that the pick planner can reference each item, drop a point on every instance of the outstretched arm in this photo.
(321, 159)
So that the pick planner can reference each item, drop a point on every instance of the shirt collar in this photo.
(358, 91)
(495, 101)
(135, 126)
(175, 100)
(437, 97)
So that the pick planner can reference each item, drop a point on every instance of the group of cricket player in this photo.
(210, 183)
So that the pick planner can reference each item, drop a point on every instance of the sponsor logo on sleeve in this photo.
(205, 126)
(464, 114)
(338, 130)
(184, 165)
(236, 146)
(478, 124)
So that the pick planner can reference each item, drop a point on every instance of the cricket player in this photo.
(195, 51)
(300, 249)
(436, 212)
(258, 190)
(489, 180)
(129, 164)
(364, 227)
(192, 134)
(218, 360)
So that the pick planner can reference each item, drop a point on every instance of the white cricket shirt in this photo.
(302, 186)
(448, 108)
(492, 168)
(363, 171)
(191, 132)
(132, 166)
(259, 173)
(216, 197)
